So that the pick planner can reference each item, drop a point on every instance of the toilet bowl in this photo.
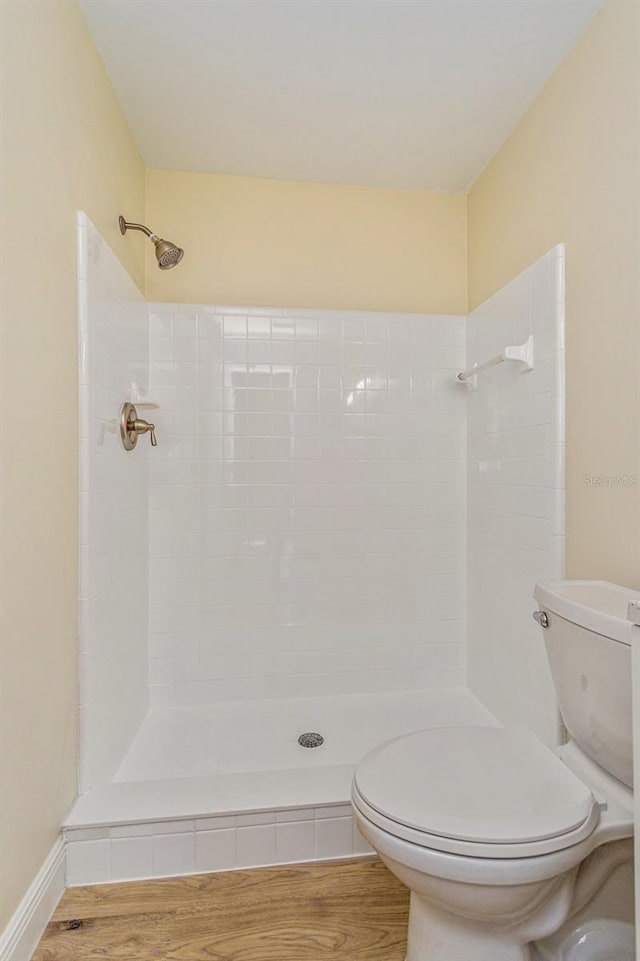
(499, 838)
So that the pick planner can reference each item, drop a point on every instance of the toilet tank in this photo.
(588, 641)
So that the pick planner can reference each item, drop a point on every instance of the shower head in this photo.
(167, 254)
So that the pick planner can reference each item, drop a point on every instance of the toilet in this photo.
(504, 842)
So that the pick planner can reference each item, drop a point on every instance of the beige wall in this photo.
(64, 146)
(255, 241)
(571, 172)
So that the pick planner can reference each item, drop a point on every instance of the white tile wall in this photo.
(307, 503)
(163, 849)
(516, 495)
(113, 511)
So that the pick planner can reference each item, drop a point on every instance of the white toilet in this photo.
(502, 841)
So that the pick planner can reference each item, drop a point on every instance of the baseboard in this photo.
(20, 938)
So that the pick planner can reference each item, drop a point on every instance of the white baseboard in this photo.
(20, 938)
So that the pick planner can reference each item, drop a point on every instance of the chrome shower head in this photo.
(167, 254)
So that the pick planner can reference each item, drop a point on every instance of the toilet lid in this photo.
(487, 785)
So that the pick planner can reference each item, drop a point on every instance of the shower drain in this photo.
(310, 739)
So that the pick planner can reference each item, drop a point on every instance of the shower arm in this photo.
(125, 225)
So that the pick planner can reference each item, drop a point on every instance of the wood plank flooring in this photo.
(330, 911)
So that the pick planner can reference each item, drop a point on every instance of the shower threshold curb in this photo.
(128, 802)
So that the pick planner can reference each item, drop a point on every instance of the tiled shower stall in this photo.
(334, 534)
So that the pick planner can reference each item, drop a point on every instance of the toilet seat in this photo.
(483, 792)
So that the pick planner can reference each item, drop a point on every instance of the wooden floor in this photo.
(337, 911)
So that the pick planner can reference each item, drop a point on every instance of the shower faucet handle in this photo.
(131, 426)
(142, 427)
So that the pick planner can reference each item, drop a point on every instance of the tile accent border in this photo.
(20, 938)
(160, 849)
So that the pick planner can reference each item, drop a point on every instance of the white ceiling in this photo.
(399, 93)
